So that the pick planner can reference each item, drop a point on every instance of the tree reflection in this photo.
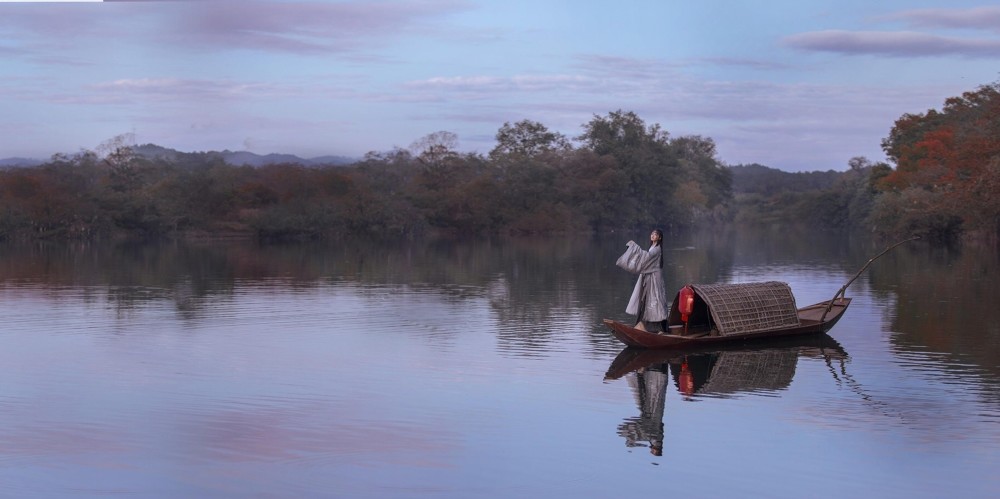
(537, 290)
(527, 282)
(944, 301)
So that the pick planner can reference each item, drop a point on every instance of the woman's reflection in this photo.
(719, 373)
(649, 385)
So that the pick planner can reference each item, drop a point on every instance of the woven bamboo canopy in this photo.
(748, 371)
(742, 308)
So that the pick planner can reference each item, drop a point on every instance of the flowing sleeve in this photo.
(632, 259)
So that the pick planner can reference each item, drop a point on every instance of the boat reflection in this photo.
(722, 371)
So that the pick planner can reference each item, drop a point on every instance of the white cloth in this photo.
(649, 288)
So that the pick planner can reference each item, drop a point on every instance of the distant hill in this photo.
(760, 179)
(241, 158)
(236, 158)
(248, 158)
(11, 162)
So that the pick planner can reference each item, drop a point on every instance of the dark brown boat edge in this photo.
(816, 318)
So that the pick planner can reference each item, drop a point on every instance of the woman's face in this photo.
(654, 236)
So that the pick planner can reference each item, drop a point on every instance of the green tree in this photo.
(644, 156)
(705, 184)
(381, 196)
(596, 187)
(527, 139)
(119, 156)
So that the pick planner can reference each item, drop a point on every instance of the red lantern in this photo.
(686, 379)
(685, 303)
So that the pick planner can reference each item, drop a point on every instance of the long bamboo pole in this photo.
(844, 288)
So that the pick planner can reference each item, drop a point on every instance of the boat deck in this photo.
(811, 320)
(813, 313)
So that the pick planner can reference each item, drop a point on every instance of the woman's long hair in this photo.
(659, 242)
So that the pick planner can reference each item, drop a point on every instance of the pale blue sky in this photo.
(796, 85)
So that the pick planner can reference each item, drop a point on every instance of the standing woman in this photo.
(649, 298)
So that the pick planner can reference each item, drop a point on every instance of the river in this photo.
(480, 368)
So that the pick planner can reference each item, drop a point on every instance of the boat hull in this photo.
(811, 321)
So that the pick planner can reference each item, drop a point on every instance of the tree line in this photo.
(818, 200)
(619, 174)
(624, 174)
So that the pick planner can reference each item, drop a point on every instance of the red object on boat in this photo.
(685, 379)
(685, 304)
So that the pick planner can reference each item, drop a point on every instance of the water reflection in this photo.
(944, 300)
(526, 283)
(649, 385)
(712, 372)
(937, 298)
(366, 369)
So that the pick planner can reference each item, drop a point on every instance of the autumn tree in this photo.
(943, 161)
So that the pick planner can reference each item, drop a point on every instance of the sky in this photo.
(791, 84)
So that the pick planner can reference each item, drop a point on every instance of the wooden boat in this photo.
(715, 313)
(736, 312)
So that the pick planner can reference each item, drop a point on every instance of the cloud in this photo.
(980, 18)
(893, 44)
(305, 27)
(64, 21)
(178, 89)
(756, 64)
(643, 87)
(486, 86)
(205, 91)
(820, 125)
(627, 68)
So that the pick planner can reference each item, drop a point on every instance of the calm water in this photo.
(480, 369)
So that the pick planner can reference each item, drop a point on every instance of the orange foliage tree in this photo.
(946, 162)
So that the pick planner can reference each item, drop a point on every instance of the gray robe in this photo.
(649, 296)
